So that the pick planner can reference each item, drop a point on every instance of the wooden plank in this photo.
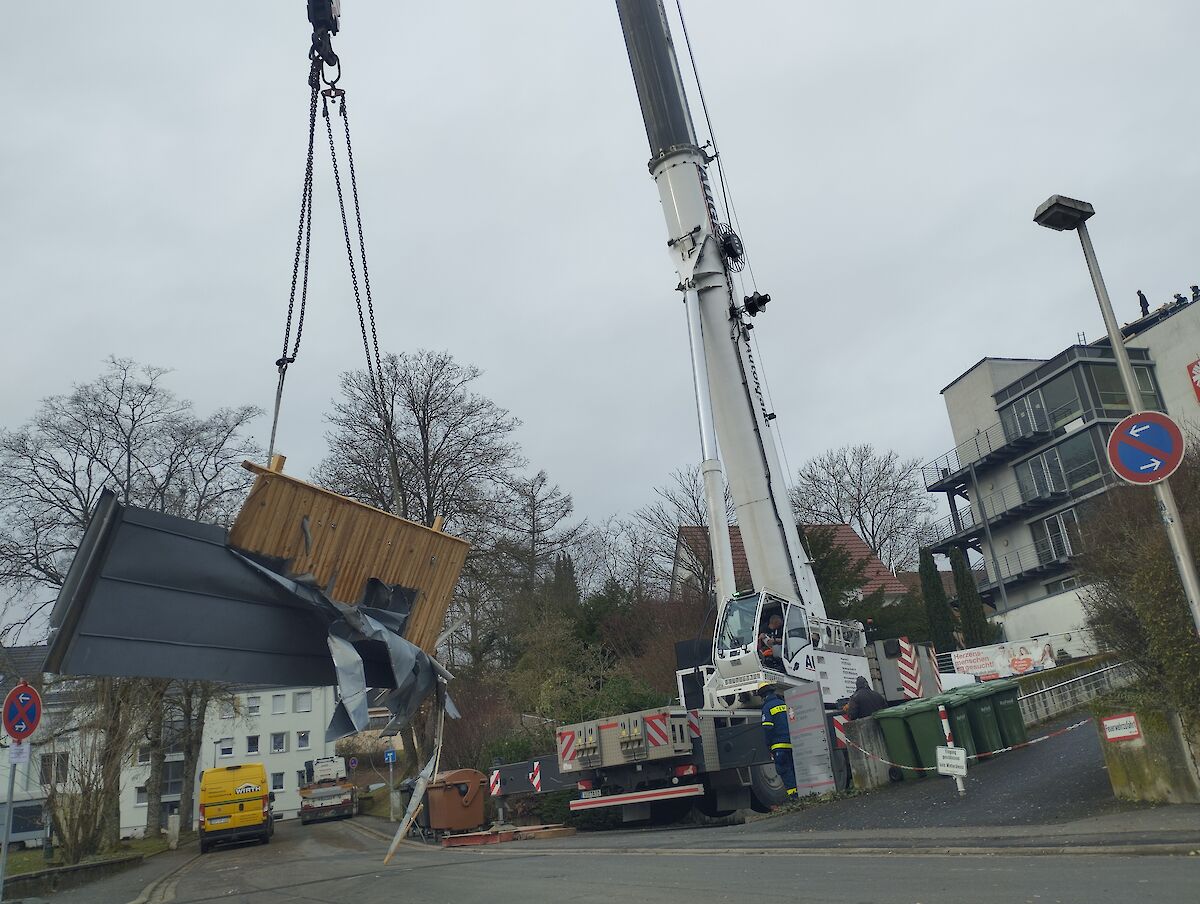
(351, 543)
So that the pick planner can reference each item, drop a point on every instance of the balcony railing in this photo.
(998, 441)
(1016, 499)
(1039, 557)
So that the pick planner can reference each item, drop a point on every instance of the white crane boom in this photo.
(734, 430)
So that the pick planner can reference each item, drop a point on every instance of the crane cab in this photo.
(764, 637)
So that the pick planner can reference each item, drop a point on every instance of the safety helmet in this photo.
(766, 686)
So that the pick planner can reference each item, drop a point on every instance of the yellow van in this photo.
(235, 804)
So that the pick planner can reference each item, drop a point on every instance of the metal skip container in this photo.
(455, 801)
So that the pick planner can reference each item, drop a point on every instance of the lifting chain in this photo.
(332, 94)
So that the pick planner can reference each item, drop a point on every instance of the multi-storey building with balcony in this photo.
(1029, 453)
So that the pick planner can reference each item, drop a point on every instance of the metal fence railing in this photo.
(1029, 558)
(987, 442)
(1048, 702)
(999, 505)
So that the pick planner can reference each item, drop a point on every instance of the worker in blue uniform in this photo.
(779, 738)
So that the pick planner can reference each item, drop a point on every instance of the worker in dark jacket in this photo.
(865, 700)
(779, 739)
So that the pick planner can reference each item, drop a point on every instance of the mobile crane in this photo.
(709, 748)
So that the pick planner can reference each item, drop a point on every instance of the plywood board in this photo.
(343, 543)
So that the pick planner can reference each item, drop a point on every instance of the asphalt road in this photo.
(340, 862)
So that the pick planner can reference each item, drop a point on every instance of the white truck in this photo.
(326, 793)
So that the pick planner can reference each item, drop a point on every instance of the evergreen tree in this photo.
(561, 590)
(976, 630)
(937, 607)
(839, 576)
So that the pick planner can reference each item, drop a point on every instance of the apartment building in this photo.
(281, 727)
(1029, 454)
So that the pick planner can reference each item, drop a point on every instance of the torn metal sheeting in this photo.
(155, 596)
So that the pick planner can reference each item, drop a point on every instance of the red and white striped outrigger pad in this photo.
(910, 670)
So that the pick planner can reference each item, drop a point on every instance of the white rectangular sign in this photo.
(1121, 728)
(952, 761)
(18, 753)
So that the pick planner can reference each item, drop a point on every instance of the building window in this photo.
(301, 778)
(279, 742)
(278, 704)
(302, 702)
(143, 756)
(253, 705)
(276, 781)
(1077, 457)
(1057, 537)
(172, 778)
(302, 740)
(1061, 399)
(141, 795)
(1110, 391)
(225, 747)
(1062, 586)
(252, 743)
(227, 709)
(53, 767)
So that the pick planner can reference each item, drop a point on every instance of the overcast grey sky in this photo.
(885, 158)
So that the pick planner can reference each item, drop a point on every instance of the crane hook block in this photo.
(324, 14)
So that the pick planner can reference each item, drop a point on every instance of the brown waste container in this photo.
(455, 801)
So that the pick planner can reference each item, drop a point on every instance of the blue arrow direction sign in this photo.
(389, 756)
(1145, 448)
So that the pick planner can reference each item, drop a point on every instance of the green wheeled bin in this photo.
(981, 713)
(925, 723)
(899, 742)
(1005, 701)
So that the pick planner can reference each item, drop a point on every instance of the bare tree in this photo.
(534, 519)
(124, 431)
(877, 493)
(99, 730)
(127, 432)
(655, 529)
(453, 448)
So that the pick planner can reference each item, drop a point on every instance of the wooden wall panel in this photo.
(350, 543)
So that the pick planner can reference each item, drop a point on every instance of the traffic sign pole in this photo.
(1167, 508)
(8, 808)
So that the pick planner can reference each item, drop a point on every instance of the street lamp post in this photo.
(1065, 214)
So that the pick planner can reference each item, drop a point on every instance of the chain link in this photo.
(303, 240)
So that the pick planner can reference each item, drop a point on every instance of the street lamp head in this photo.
(1062, 213)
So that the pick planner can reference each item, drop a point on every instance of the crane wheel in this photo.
(766, 788)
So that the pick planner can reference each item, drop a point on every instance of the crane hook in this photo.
(324, 14)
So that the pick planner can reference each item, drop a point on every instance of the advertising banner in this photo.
(1004, 660)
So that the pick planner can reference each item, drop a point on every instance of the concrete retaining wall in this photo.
(866, 771)
(1159, 766)
(48, 881)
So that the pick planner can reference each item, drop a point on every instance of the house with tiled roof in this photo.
(912, 580)
(692, 564)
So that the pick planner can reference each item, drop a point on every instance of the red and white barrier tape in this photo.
(975, 756)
